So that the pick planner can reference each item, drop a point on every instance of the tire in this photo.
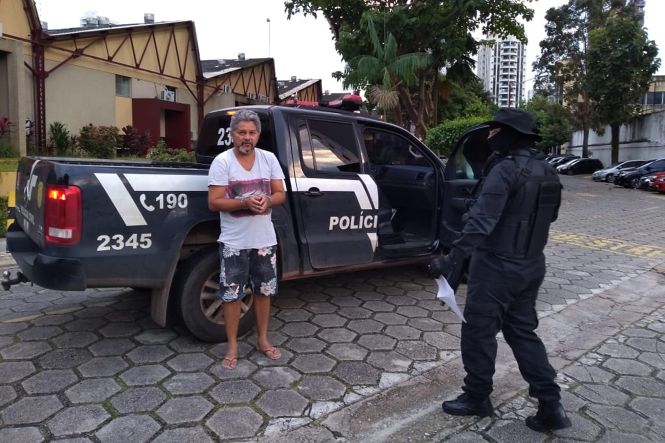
(609, 178)
(196, 288)
(634, 183)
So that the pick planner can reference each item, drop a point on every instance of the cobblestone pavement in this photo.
(93, 366)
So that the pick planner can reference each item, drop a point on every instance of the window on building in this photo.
(654, 98)
(122, 86)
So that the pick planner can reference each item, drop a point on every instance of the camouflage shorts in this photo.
(242, 267)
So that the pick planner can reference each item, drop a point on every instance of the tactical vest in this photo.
(533, 204)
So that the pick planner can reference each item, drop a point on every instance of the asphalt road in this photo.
(367, 356)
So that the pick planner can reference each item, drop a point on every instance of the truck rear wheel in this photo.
(202, 312)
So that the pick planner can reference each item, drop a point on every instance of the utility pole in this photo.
(268, 20)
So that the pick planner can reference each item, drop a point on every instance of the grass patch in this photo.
(8, 164)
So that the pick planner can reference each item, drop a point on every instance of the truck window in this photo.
(385, 148)
(328, 147)
(468, 160)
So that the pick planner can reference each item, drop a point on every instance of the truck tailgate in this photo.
(31, 182)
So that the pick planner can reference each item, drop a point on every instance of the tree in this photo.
(385, 72)
(621, 62)
(444, 30)
(461, 99)
(553, 122)
(562, 65)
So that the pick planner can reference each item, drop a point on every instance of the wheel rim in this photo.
(610, 178)
(213, 308)
(635, 183)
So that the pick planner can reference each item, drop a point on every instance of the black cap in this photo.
(517, 119)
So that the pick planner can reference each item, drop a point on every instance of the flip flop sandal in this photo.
(229, 362)
(272, 353)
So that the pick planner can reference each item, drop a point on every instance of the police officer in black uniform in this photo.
(505, 235)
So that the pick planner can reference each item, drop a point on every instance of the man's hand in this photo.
(255, 204)
(446, 264)
(259, 204)
(441, 265)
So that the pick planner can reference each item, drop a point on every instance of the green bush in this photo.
(443, 138)
(163, 153)
(3, 215)
(6, 150)
(134, 143)
(99, 141)
(59, 138)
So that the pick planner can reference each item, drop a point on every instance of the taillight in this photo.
(62, 215)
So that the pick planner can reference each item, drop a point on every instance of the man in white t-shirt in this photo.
(244, 183)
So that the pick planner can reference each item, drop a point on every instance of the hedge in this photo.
(443, 138)
(3, 215)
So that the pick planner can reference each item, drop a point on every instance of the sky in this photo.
(302, 46)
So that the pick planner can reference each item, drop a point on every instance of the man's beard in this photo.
(245, 149)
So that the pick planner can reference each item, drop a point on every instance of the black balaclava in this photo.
(508, 140)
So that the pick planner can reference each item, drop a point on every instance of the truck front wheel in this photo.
(196, 287)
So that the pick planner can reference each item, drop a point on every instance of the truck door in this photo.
(337, 201)
(408, 177)
(462, 172)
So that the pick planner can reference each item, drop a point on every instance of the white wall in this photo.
(642, 139)
(220, 100)
(79, 96)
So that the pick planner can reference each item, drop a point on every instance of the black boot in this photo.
(465, 405)
(550, 416)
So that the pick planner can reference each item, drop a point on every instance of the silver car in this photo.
(608, 174)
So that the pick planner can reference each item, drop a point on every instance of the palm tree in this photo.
(387, 74)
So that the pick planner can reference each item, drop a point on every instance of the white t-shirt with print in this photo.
(244, 229)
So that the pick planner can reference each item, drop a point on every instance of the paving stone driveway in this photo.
(93, 365)
(613, 393)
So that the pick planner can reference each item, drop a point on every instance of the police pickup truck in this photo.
(361, 193)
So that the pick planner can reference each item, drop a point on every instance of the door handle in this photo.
(313, 192)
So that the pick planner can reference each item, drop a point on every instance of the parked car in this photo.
(608, 174)
(645, 181)
(557, 161)
(580, 166)
(631, 179)
(658, 182)
(564, 163)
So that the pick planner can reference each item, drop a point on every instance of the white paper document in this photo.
(447, 295)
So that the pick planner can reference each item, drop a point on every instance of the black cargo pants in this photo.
(501, 296)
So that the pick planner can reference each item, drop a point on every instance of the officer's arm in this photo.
(486, 212)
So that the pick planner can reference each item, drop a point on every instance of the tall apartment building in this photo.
(501, 68)
(639, 6)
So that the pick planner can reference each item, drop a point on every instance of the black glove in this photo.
(441, 265)
(446, 264)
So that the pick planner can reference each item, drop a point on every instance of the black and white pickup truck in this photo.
(361, 193)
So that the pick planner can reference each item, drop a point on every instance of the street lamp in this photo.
(268, 20)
